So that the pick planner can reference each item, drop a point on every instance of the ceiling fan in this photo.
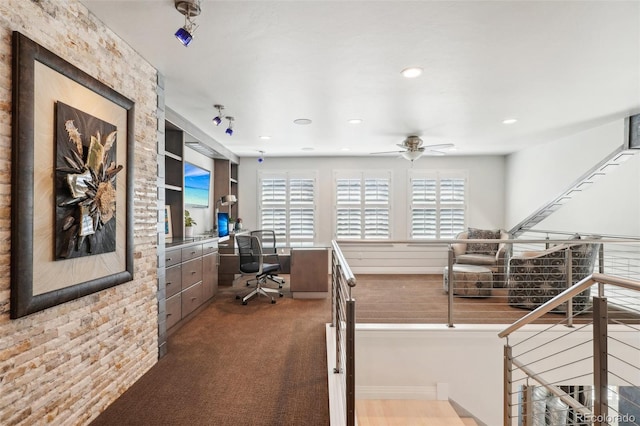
(413, 148)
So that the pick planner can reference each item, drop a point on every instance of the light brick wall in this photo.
(66, 364)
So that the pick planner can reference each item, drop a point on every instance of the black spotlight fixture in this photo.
(189, 8)
(218, 119)
(229, 130)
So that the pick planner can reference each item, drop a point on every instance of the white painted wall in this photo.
(611, 206)
(485, 187)
(535, 176)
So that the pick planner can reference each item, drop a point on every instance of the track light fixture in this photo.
(229, 130)
(189, 8)
(218, 119)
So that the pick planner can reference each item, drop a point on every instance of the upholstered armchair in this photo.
(489, 255)
(534, 278)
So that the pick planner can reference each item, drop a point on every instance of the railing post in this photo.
(506, 403)
(334, 286)
(600, 361)
(568, 262)
(451, 285)
(351, 362)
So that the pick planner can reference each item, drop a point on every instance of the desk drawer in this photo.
(191, 252)
(210, 247)
(172, 257)
(191, 272)
(174, 309)
(192, 298)
(173, 282)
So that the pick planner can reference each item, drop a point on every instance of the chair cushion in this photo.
(476, 259)
(482, 248)
(270, 267)
(249, 268)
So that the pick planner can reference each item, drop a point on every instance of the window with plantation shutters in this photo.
(362, 205)
(438, 205)
(287, 205)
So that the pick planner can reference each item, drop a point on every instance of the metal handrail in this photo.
(346, 270)
(344, 322)
(566, 295)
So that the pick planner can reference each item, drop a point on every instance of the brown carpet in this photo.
(259, 364)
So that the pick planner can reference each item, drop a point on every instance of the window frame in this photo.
(286, 239)
(362, 206)
(438, 204)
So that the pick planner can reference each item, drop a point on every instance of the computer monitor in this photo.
(223, 224)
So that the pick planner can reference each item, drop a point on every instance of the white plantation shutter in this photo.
(362, 206)
(452, 206)
(438, 205)
(301, 209)
(273, 199)
(287, 205)
(376, 223)
(348, 212)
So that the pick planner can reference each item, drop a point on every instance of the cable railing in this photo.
(582, 374)
(419, 282)
(407, 281)
(343, 320)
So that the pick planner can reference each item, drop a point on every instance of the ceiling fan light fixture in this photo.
(411, 155)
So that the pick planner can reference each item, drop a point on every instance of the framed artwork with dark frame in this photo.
(72, 182)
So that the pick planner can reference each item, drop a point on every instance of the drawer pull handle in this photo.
(169, 259)
(169, 314)
(193, 272)
(193, 298)
(169, 283)
(193, 252)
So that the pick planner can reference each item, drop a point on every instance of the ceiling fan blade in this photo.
(431, 152)
(387, 152)
(439, 146)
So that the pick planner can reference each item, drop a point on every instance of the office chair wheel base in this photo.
(273, 301)
(280, 294)
(244, 302)
(237, 297)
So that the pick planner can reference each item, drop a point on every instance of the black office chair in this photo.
(252, 262)
(268, 241)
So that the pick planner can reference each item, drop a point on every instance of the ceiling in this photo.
(558, 67)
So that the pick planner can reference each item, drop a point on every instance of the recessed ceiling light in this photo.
(265, 138)
(411, 72)
(355, 121)
(345, 149)
(307, 148)
(302, 121)
(509, 121)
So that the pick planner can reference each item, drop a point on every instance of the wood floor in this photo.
(375, 412)
(414, 298)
